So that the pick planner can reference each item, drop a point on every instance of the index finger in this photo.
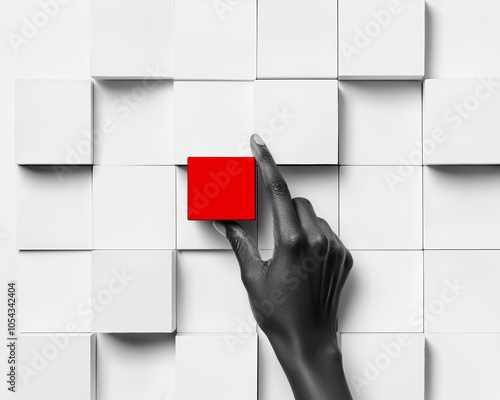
(285, 219)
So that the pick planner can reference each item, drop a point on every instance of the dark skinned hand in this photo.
(295, 295)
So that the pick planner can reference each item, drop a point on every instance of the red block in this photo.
(221, 188)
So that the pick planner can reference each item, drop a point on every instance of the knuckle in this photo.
(320, 240)
(278, 186)
(303, 200)
(295, 241)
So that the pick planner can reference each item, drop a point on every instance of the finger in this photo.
(244, 248)
(285, 218)
(308, 219)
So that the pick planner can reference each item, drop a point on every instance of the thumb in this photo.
(244, 248)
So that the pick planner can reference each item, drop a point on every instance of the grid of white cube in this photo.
(407, 172)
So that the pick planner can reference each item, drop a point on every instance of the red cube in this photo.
(221, 188)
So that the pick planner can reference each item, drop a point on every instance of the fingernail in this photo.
(257, 139)
(219, 226)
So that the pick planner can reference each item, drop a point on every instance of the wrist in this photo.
(314, 368)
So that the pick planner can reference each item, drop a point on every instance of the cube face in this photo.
(215, 40)
(459, 291)
(216, 367)
(212, 119)
(461, 207)
(134, 208)
(54, 208)
(319, 184)
(200, 235)
(300, 42)
(384, 366)
(121, 356)
(134, 122)
(119, 278)
(221, 188)
(54, 122)
(56, 366)
(461, 121)
(132, 39)
(378, 214)
(468, 374)
(298, 120)
(381, 40)
(377, 278)
(56, 291)
(205, 282)
(473, 57)
(390, 129)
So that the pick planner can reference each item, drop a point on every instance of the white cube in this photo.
(56, 291)
(460, 292)
(54, 208)
(222, 367)
(215, 40)
(376, 280)
(319, 184)
(205, 282)
(381, 39)
(456, 52)
(54, 122)
(212, 119)
(135, 366)
(134, 122)
(380, 209)
(384, 366)
(380, 123)
(120, 278)
(461, 121)
(297, 39)
(134, 208)
(461, 207)
(131, 39)
(273, 383)
(298, 120)
(200, 235)
(463, 366)
(56, 366)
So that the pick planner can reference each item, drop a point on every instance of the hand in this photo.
(295, 295)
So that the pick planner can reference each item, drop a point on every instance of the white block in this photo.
(298, 120)
(384, 293)
(55, 291)
(134, 208)
(121, 278)
(297, 39)
(205, 282)
(460, 291)
(463, 366)
(216, 367)
(461, 207)
(319, 184)
(134, 122)
(135, 366)
(56, 366)
(131, 39)
(384, 366)
(215, 40)
(462, 53)
(461, 121)
(380, 209)
(200, 235)
(381, 39)
(54, 208)
(380, 123)
(54, 122)
(212, 119)
(273, 383)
